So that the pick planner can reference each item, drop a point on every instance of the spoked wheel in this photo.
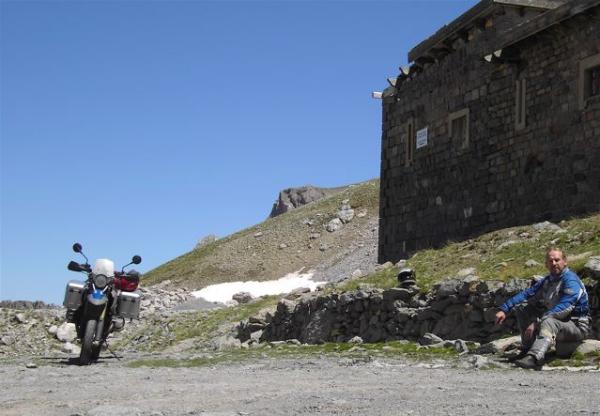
(87, 350)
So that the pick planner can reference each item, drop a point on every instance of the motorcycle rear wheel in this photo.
(86, 355)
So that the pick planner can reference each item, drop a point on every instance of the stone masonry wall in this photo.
(547, 170)
(455, 309)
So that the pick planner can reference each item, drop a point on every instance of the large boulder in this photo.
(592, 268)
(566, 349)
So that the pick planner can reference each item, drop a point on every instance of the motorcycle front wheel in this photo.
(86, 355)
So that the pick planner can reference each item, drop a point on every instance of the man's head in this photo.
(556, 261)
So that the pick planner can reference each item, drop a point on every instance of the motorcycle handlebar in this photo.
(76, 267)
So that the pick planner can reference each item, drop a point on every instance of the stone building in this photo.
(495, 123)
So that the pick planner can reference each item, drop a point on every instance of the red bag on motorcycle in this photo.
(127, 282)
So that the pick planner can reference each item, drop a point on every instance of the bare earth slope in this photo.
(287, 243)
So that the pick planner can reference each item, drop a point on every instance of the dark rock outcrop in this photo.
(296, 197)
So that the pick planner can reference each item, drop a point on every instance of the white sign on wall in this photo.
(422, 138)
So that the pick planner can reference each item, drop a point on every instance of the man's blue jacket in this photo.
(572, 301)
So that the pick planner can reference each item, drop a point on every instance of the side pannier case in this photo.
(74, 294)
(128, 305)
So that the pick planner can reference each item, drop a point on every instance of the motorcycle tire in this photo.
(96, 352)
(87, 354)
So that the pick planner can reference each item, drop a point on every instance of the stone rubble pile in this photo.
(161, 298)
(462, 308)
(35, 328)
(30, 331)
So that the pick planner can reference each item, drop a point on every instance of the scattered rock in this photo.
(31, 365)
(356, 340)
(225, 342)
(209, 239)
(478, 362)
(66, 332)
(6, 340)
(334, 225)
(499, 345)
(532, 263)
(297, 292)
(20, 318)
(546, 226)
(460, 346)
(356, 273)
(430, 339)
(258, 234)
(506, 244)
(282, 246)
(242, 297)
(470, 271)
(69, 348)
(447, 288)
(401, 264)
(346, 213)
(384, 266)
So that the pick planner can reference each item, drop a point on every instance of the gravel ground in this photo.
(325, 386)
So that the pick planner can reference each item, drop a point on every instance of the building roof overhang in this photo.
(542, 22)
(475, 16)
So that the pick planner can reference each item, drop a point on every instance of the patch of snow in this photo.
(223, 292)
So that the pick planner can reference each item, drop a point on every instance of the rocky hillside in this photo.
(334, 235)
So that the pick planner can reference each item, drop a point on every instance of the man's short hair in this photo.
(561, 251)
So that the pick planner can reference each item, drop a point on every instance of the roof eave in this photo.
(479, 11)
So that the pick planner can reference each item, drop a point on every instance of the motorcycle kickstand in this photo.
(111, 351)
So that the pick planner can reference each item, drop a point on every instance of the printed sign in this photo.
(422, 138)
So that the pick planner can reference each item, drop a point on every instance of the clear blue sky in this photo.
(138, 127)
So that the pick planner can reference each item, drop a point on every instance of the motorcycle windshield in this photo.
(104, 266)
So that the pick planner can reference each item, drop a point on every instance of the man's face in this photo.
(555, 262)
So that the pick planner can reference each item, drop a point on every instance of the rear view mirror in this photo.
(136, 259)
(77, 248)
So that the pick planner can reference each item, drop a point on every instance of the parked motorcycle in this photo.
(100, 304)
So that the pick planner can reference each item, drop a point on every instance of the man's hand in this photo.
(500, 317)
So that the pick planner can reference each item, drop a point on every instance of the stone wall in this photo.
(504, 176)
(455, 309)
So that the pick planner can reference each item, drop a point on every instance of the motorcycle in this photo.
(100, 304)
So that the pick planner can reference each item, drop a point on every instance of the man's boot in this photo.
(535, 355)
(528, 362)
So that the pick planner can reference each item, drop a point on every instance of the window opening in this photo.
(589, 79)
(459, 128)
(411, 143)
(520, 105)
(595, 81)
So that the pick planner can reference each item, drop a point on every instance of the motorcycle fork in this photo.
(100, 325)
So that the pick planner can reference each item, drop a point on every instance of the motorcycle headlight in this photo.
(100, 281)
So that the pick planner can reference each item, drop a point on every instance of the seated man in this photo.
(556, 309)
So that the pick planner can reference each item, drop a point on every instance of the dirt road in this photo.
(324, 386)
